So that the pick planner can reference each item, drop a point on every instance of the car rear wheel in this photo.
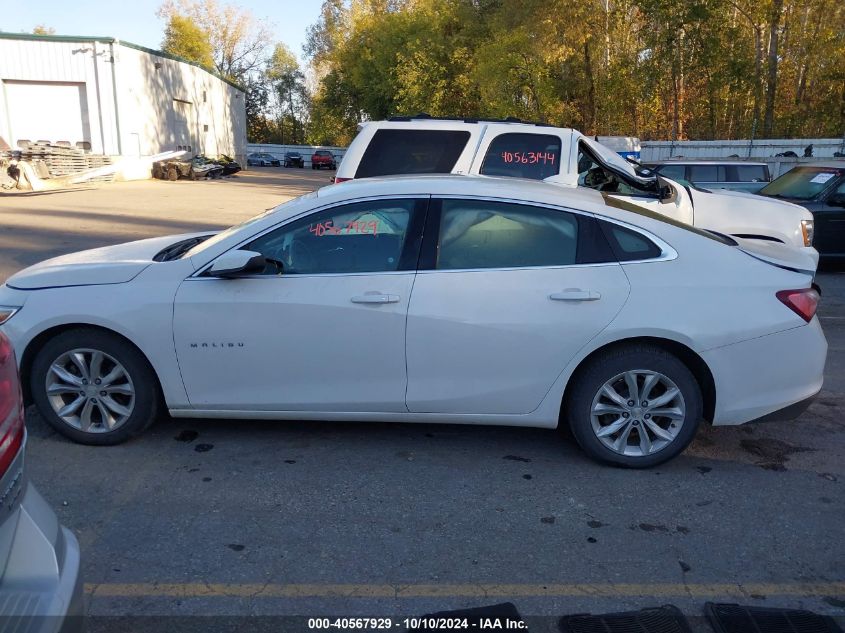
(94, 387)
(172, 173)
(635, 407)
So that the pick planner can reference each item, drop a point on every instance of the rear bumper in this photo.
(768, 377)
(789, 412)
(41, 587)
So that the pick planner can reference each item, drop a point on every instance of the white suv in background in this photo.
(565, 157)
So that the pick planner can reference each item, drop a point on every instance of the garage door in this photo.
(47, 111)
(182, 125)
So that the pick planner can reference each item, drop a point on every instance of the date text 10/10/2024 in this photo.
(428, 623)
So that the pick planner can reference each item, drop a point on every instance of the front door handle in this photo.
(575, 294)
(375, 297)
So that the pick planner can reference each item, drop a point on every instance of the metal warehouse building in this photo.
(114, 98)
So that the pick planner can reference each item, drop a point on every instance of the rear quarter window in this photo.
(629, 245)
(412, 152)
(535, 156)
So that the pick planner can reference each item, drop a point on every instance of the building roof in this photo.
(114, 40)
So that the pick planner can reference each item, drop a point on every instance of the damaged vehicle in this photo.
(192, 169)
(230, 165)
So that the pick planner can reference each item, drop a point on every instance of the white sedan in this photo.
(427, 299)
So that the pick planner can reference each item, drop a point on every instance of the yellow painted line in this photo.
(219, 590)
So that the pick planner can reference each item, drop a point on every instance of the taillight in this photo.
(803, 302)
(340, 180)
(11, 406)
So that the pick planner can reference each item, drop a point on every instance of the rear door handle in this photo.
(376, 298)
(575, 294)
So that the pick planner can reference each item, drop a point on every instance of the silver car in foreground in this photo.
(40, 583)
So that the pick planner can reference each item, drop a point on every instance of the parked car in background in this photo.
(40, 581)
(262, 159)
(294, 159)
(736, 175)
(495, 300)
(820, 188)
(565, 157)
(323, 158)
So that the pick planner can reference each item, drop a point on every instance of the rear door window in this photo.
(535, 156)
(751, 173)
(412, 152)
(707, 173)
(485, 234)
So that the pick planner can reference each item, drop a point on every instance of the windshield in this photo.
(611, 158)
(802, 183)
(222, 235)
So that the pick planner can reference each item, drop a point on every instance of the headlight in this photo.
(7, 312)
(807, 232)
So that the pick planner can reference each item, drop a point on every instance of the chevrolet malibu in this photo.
(451, 299)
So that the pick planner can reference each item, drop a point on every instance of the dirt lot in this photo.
(229, 518)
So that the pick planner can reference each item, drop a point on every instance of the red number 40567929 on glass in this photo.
(352, 227)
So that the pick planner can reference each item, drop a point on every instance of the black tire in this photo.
(172, 173)
(146, 398)
(601, 369)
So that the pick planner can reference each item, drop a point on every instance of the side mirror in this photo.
(236, 264)
(837, 200)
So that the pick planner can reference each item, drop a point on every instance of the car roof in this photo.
(433, 123)
(502, 187)
(521, 190)
(458, 184)
(830, 164)
(694, 161)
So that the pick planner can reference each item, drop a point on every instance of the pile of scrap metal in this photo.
(194, 168)
(44, 165)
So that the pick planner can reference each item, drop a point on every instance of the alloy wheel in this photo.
(638, 412)
(90, 390)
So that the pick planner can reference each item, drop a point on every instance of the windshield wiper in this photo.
(175, 251)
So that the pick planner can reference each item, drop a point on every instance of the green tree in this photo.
(287, 84)
(184, 38)
(238, 40)
(652, 68)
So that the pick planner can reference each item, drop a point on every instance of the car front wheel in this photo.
(635, 407)
(94, 387)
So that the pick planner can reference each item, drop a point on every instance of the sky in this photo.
(135, 20)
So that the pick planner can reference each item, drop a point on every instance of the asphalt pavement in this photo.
(232, 518)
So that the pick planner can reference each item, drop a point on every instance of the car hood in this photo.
(799, 259)
(741, 196)
(807, 204)
(107, 265)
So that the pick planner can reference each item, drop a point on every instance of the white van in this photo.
(566, 157)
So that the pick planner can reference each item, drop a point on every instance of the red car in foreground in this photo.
(40, 583)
